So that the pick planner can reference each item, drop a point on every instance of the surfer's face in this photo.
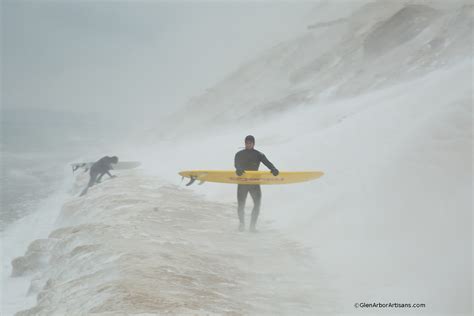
(249, 145)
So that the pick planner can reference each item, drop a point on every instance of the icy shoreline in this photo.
(136, 245)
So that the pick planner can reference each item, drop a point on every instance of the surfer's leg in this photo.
(256, 194)
(242, 192)
(92, 180)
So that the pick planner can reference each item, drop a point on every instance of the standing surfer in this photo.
(250, 159)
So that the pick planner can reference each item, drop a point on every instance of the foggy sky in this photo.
(129, 57)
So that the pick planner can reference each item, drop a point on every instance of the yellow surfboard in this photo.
(250, 177)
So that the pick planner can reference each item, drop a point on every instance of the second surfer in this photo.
(250, 159)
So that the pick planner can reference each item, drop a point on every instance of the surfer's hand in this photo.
(275, 172)
(239, 172)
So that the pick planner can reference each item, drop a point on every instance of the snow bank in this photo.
(135, 245)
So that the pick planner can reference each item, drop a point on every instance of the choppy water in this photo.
(35, 148)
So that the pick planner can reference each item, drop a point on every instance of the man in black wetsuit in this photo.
(249, 159)
(98, 169)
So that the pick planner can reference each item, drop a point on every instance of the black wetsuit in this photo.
(97, 171)
(250, 159)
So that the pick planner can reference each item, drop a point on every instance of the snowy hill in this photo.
(378, 45)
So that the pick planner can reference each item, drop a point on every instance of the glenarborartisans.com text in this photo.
(389, 305)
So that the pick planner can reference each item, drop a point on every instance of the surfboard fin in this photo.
(191, 181)
(201, 182)
(79, 165)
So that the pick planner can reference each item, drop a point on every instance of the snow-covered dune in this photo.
(135, 245)
(375, 45)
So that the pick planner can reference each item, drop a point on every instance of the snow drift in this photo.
(137, 245)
